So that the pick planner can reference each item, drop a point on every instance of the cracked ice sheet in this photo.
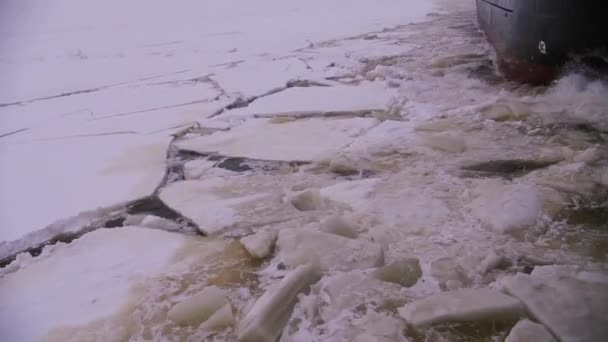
(43, 182)
(54, 291)
(86, 45)
(141, 108)
(217, 204)
(302, 140)
(318, 99)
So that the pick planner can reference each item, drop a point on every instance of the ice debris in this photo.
(462, 305)
(339, 226)
(445, 142)
(352, 291)
(571, 302)
(268, 316)
(404, 272)
(152, 221)
(307, 200)
(218, 320)
(330, 251)
(505, 208)
(492, 261)
(449, 274)
(206, 204)
(528, 331)
(194, 169)
(198, 308)
(261, 244)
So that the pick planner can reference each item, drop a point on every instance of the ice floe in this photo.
(329, 251)
(569, 300)
(462, 305)
(56, 291)
(302, 140)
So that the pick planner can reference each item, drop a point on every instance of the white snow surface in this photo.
(91, 43)
(43, 182)
(89, 279)
(301, 111)
(98, 77)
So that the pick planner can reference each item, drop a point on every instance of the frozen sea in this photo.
(338, 170)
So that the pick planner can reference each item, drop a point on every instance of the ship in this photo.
(534, 39)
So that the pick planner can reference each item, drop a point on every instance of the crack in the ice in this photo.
(193, 80)
(84, 91)
(244, 102)
(13, 132)
(101, 217)
(107, 218)
(363, 113)
(88, 135)
(76, 92)
(230, 64)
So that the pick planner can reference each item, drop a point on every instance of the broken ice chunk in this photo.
(198, 308)
(219, 320)
(260, 245)
(152, 221)
(351, 291)
(268, 316)
(462, 305)
(210, 204)
(449, 274)
(339, 226)
(492, 261)
(405, 272)
(307, 200)
(604, 177)
(528, 331)
(506, 208)
(194, 169)
(503, 112)
(445, 142)
(570, 302)
(330, 251)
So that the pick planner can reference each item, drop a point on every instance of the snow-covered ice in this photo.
(90, 279)
(402, 180)
(44, 182)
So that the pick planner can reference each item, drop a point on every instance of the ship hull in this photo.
(534, 38)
